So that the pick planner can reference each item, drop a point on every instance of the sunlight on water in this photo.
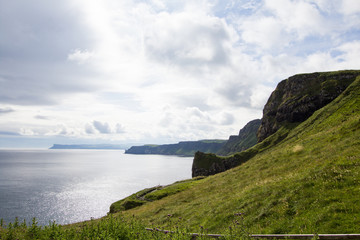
(73, 185)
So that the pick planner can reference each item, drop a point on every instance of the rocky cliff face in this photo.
(206, 164)
(298, 97)
(293, 101)
(246, 139)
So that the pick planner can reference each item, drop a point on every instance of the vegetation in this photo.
(106, 228)
(209, 163)
(152, 194)
(114, 228)
(246, 139)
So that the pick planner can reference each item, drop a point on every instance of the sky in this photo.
(156, 71)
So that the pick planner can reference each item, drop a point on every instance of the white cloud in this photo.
(80, 56)
(299, 17)
(260, 95)
(119, 128)
(350, 7)
(349, 55)
(165, 70)
(266, 32)
(167, 39)
(227, 119)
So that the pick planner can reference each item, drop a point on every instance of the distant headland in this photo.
(89, 146)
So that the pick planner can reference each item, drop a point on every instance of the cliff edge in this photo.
(246, 139)
(293, 101)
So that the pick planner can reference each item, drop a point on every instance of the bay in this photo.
(68, 186)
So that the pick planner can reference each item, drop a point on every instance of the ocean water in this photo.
(68, 186)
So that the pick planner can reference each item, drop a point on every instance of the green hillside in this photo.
(246, 139)
(185, 148)
(307, 182)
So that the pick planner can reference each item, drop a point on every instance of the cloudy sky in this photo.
(156, 71)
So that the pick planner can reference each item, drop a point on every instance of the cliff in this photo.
(186, 148)
(236, 143)
(246, 139)
(293, 101)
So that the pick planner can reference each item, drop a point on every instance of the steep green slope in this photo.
(152, 194)
(246, 139)
(307, 182)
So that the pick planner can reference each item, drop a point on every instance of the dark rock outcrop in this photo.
(206, 164)
(298, 97)
(246, 139)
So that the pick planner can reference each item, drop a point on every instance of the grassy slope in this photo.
(151, 194)
(309, 182)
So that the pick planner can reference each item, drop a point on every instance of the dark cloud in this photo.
(6, 110)
(227, 119)
(102, 127)
(41, 85)
(41, 117)
(89, 129)
(39, 30)
(236, 94)
(8, 133)
(36, 38)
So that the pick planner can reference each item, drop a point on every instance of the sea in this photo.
(68, 186)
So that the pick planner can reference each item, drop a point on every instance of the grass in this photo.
(112, 228)
(152, 194)
(106, 228)
(207, 160)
